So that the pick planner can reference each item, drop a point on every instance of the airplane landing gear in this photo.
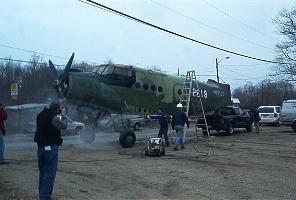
(127, 138)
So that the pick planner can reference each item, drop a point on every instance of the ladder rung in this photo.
(191, 82)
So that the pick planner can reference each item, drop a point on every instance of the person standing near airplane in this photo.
(49, 123)
(163, 119)
(3, 117)
(178, 122)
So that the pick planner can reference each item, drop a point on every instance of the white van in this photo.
(270, 115)
(288, 116)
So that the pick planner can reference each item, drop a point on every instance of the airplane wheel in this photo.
(127, 139)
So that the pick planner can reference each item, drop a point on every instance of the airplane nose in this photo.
(82, 87)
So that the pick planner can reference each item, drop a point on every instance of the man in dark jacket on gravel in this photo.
(178, 122)
(3, 117)
(163, 119)
(49, 123)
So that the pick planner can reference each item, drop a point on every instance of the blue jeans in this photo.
(164, 131)
(47, 164)
(179, 135)
(1, 147)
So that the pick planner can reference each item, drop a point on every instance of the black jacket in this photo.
(47, 134)
(179, 118)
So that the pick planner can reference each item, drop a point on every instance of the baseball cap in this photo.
(179, 105)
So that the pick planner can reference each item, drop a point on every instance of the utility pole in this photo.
(217, 70)
(217, 67)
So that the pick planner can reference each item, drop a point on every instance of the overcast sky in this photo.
(59, 27)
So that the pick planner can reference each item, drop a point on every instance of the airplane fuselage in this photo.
(130, 89)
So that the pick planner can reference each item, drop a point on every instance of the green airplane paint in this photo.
(121, 88)
(128, 89)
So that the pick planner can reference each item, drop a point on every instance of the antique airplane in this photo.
(129, 89)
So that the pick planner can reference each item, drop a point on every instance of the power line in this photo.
(226, 83)
(240, 79)
(40, 53)
(242, 74)
(25, 61)
(100, 6)
(234, 79)
(211, 27)
(238, 21)
(235, 65)
(207, 75)
(31, 51)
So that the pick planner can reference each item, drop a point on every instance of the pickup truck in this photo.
(226, 119)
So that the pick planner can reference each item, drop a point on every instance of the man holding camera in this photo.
(3, 117)
(49, 123)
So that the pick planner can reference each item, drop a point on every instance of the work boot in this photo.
(4, 163)
(175, 149)
(182, 147)
(167, 145)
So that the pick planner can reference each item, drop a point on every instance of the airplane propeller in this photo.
(60, 81)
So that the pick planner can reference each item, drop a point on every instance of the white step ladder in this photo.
(185, 99)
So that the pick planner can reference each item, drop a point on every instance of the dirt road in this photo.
(242, 166)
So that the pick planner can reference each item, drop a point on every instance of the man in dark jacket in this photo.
(49, 123)
(178, 122)
(163, 119)
(255, 117)
(3, 117)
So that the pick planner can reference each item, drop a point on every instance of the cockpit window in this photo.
(100, 69)
(118, 73)
(108, 71)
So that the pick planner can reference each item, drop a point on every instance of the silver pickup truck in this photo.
(117, 122)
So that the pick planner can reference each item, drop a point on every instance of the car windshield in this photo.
(266, 110)
(227, 111)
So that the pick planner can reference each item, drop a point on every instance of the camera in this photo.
(60, 110)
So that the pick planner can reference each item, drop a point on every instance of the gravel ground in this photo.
(241, 166)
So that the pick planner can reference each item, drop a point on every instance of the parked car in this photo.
(120, 121)
(73, 127)
(226, 118)
(288, 115)
(270, 115)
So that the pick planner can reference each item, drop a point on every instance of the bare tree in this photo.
(286, 49)
(36, 79)
(266, 92)
(108, 61)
